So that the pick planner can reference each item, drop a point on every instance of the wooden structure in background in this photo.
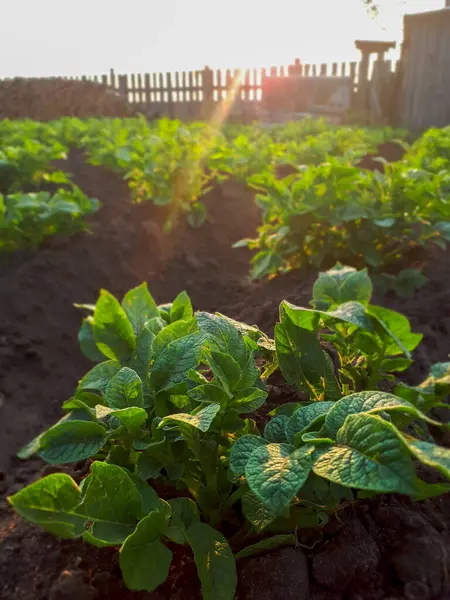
(424, 87)
(329, 89)
(279, 93)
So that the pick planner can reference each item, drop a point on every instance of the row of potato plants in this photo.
(29, 212)
(337, 211)
(178, 397)
(169, 162)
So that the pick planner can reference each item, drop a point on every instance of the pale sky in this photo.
(76, 37)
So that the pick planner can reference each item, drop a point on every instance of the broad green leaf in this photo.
(287, 409)
(408, 281)
(148, 466)
(112, 500)
(112, 329)
(125, 390)
(248, 400)
(369, 402)
(215, 562)
(172, 366)
(139, 307)
(303, 362)
(223, 336)
(225, 369)
(70, 441)
(181, 308)
(184, 514)
(132, 418)
(305, 416)
(266, 545)
(201, 420)
(31, 448)
(369, 455)
(276, 472)
(172, 332)
(275, 430)
(256, 513)
(144, 560)
(397, 330)
(87, 341)
(99, 377)
(431, 455)
(349, 313)
(89, 538)
(50, 503)
(142, 354)
(395, 365)
(209, 393)
(241, 451)
(341, 284)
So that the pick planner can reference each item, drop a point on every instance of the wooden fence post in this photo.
(208, 93)
(123, 86)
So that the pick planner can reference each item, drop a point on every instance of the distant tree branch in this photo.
(371, 6)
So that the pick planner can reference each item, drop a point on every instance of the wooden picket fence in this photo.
(196, 94)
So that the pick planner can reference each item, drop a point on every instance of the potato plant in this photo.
(174, 398)
(337, 211)
(27, 219)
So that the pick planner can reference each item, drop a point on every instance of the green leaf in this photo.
(275, 430)
(172, 332)
(395, 365)
(408, 281)
(71, 441)
(431, 455)
(149, 466)
(287, 409)
(87, 341)
(201, 420)
(99, 377)
(305, 416)
(132, 418)
(248, 400)
(215, 562)
(350, 313)
(397, 331)
(51, 503)
(276, 541)
(184, 514)
(141, 356)
(223, 336)
(208, 392)
(112, 329)
(341, 284)
(369, 402)
(125, 390)
(144, 560)
(172, 366)
(303, 362)
(276, 472)
(89, 538)
(241, 451)
(112, 500)
(369, 455)
(225, 369)
(256, 512)
(139, 307)
(197, 214)
(181, 308)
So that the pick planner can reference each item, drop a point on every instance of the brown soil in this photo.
(390, 151)
(388, 548)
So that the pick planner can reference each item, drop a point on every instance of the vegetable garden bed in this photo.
(388, 547)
